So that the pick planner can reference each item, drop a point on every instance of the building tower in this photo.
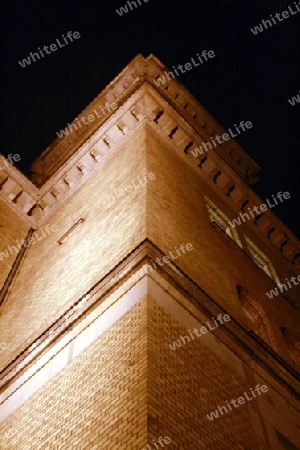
(135, 312)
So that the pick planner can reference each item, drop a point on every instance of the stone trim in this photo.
(99, 300)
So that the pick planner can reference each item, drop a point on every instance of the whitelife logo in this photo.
(241, 400)
(259, 209)
(275, 292)
(292, 101)
(221, 139)
(53, 48)
(11, 158)
(161, 440)
(116, 194)
(203, 330)
(267, 23)
(161, 261)
(188, 66)
(109, 106)
(21, 244)
(124, 9)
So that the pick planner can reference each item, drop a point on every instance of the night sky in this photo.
(251, 78)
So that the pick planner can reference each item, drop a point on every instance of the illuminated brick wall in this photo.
(79, 408)
(188, 384)
(164, 393)
(53, 276)
(177, 213)
(128, 388)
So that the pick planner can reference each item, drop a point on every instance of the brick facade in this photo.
(86, 317)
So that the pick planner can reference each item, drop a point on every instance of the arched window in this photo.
(292, 343)
(262, 261)
(221, 220)
(258, 317)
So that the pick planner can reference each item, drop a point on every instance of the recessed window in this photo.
(221, 220)
(262, 261)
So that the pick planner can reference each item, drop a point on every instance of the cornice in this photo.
(134, 75)
(237, 193)
(179, 133)
(61, 149)
(145, 104)
(203, 122)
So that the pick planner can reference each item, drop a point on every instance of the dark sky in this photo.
(251, 77)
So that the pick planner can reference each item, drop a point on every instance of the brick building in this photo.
(117, 250)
